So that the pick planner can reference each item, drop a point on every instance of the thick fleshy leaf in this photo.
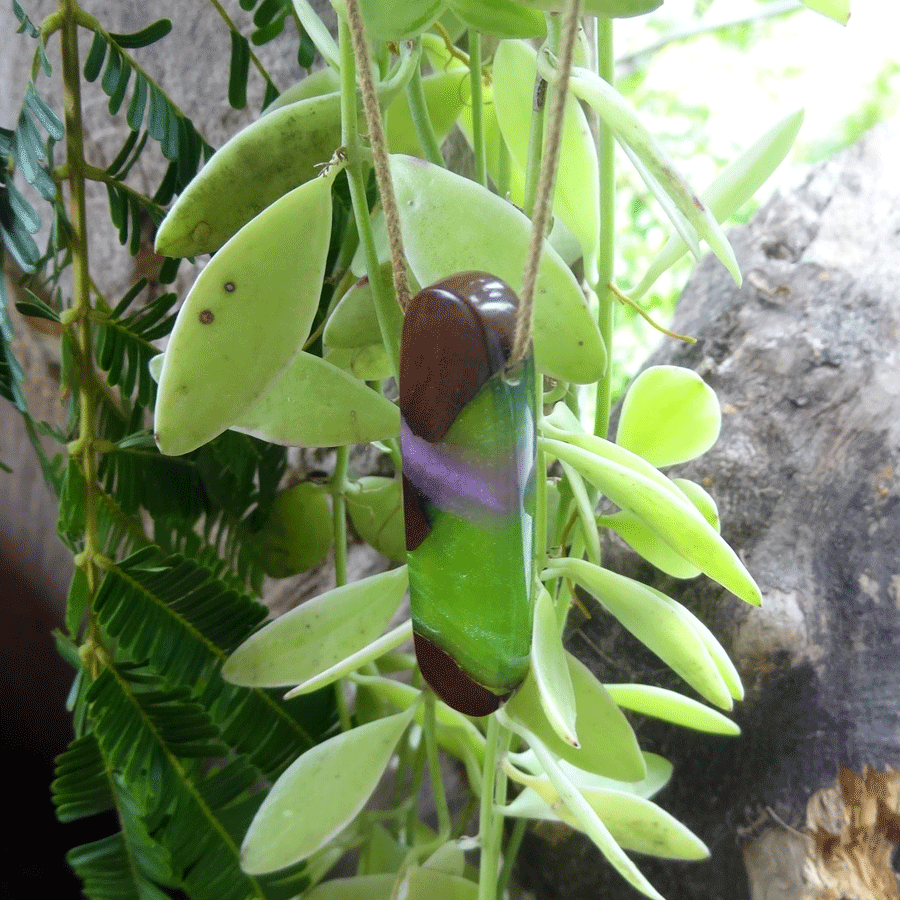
(315, 84)
(362, 657)
(619, 9)
(634, 823)
(354, 322)
(722, 660)
(456, 733)
(625, 123)
(452, 224)
(244, 320)
(259, 164)
(672, 707)
(318, 634)
(298, 533)
(449, 858)
(316, 404)
(607, 743)
(551, 671)
(669, 415)
(370, 363)
(564, 425)
(701, 498)
(319, 795)
(582, 811)
(375, 507)
(731, 189)
(646, 543)
(577, 191)
(657, 502)
(642, 611)
(659, 773)
(382, 853)
(424, 883)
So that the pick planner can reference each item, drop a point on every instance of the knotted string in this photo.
(547, 178)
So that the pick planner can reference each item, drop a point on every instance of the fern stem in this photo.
(79, 324)
(92, 173)
(253, 57)
(606, 67)
(92, 24)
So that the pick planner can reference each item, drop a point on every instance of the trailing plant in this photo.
(294, 335)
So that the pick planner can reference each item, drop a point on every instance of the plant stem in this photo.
(79, 326)
(415, 94)
(535, 145)
(434, 766)
(350, 141)
(339, 513)
(490, 845)
(605, 260)
(477, 107)
(509, 857)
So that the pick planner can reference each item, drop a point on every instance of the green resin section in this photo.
(470, 581)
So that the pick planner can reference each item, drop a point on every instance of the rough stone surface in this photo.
(805, 358)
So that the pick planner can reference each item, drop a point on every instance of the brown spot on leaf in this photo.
(229, 286)
(206, 316)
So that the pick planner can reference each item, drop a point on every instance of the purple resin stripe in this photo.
(458, 486)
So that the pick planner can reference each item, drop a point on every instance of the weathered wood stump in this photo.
(805, 359)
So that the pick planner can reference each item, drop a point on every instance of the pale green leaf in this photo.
(316, 404)
(318, 634)
(672, 707)
(551, 671)
(246, 316)
(319, 795)
(642, 611)
(607, 743)
(669, 415)
(451, 224)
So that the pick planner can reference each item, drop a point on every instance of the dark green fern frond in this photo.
(11, 374)
(172, 614)
(108, 872)
(82, 787)
(125, 342)
(177, 136)
(146, 730)
(150, 737)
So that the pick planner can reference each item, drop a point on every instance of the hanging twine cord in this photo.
(377, 141)
(546, 181)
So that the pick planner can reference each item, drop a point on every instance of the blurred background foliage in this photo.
(757, 61)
